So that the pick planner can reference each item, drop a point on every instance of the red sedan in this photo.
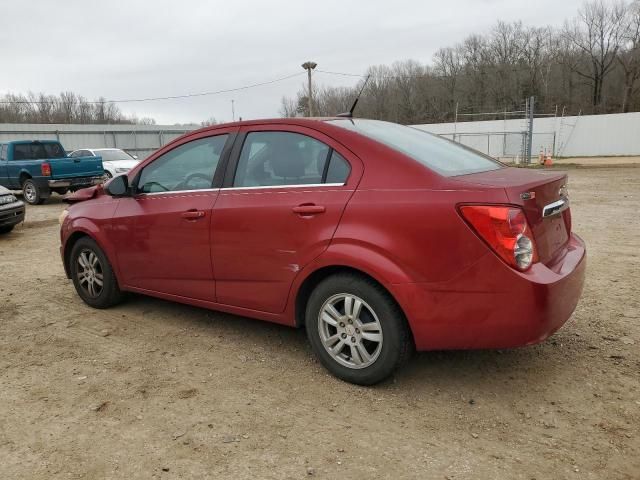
(378, 238)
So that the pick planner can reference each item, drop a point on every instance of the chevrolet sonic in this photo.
(378, 238)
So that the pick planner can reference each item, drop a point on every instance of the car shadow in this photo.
(454, 369)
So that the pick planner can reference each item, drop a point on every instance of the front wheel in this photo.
(31, 192)
(93, 276)
(356, 329)
(6, 229)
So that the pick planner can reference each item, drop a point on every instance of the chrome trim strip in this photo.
(555, 207)
(304, 185)
(171, 192)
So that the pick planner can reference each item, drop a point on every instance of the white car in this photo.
(114, 161)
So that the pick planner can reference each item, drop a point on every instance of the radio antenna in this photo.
(349, 114)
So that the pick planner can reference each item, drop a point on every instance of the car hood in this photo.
(121, 164)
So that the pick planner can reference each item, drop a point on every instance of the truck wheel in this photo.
(93, 276)
(356, 329)
(6, 229)
(31, 192)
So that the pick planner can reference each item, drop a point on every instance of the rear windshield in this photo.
(439, 154)
(37, 151)
(113, 155)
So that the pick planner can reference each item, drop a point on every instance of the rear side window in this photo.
(443, 156)
(280, 158)
(338, 169)
(190, 166)
(271, 159)
(3, 152)
(37, 151)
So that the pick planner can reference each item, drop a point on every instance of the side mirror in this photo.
(118, 186)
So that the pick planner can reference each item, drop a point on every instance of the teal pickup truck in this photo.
(40, 167)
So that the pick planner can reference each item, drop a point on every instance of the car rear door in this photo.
(162, 233)
(284, 193)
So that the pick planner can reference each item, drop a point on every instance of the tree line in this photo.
(64, 108)
(589, 65)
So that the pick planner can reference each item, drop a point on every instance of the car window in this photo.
(37, 151)
(77, 153)
(113, 155)
(3, 152)
(441, 155)
(338, 170)
(280, 158)
(190, 166)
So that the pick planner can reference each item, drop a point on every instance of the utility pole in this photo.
(530, 139)
(455, 122)
(308, 66)
(233, 110)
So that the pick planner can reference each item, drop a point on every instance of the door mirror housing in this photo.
(118, 186)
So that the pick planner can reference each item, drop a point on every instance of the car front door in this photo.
(284, 193)
(163, 231)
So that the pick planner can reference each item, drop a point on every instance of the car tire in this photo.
(61, 191)
(365, 331)
(6, 229)
(31, 192)
(107, 175)
(89, 267)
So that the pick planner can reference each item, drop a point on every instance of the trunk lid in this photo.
(543, 197)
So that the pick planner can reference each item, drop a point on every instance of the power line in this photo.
(151, 99)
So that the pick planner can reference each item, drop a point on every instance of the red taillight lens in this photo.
(506, 231)
(45, 169)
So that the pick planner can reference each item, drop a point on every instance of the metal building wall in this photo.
(581, 136)
(140, 140)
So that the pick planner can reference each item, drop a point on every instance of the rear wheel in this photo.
(31, 192)
(356, 329)
(93, 276)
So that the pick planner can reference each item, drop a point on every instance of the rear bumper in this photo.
(494, 306)
(11, 214)
(81, 182)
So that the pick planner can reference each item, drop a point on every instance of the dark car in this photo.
(378, 237)
(11, 211)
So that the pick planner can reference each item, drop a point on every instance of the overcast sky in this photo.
(133, 49)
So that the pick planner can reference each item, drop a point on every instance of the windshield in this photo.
(441, 155)
(37, 151)
(113, 155)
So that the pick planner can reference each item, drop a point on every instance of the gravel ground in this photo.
(152, 389)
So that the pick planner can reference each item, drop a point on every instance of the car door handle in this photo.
(193, 214)
(308, 209)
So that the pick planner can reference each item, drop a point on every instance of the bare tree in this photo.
(596, 33)
(629, 54)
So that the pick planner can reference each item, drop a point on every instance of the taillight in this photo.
(45, 169)
(506, 231)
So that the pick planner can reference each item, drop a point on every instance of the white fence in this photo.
(140, 140)
(580, 136)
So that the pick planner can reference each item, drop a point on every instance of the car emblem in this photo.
(528, 195)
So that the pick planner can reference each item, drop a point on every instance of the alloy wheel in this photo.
(30, 192)
(90, 273)
(350, 331)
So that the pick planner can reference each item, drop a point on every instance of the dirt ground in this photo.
(152, 389)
